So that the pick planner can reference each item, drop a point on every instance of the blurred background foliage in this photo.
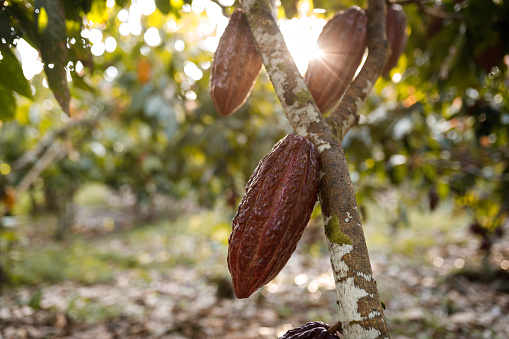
(116, 93)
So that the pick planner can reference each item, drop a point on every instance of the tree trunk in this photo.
(66, 214)
(360, 309)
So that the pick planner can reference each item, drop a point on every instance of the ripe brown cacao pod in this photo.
(235, 67)
(273, 213)
(342, 44)
(312, 330)
(395, 26)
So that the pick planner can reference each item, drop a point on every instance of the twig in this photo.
(337, 327)
(32, 155)
(432, 11)
(407, 2)
(470, 169)
(53, 152)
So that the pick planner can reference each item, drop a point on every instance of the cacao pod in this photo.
(235, 67)
(434, 23)
(273, 213)
(312, 330)
(143, 70)
(395, 26)
(342, 44)
(491, 56)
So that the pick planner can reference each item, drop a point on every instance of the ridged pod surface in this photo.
(395, 26)
(312, 330)
(273, 213)
(235, 67)
(342, 44)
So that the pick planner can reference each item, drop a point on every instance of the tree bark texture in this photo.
(360, 310)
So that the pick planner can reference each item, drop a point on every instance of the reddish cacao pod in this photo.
(312, 330)
(395, 26)
(491, 56)
(273, 213)
(342, 44)
(235, 67)
(434, 23)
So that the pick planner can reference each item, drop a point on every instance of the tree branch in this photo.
(360, 312)
(346, 114)
(54, 151)
(48, 139)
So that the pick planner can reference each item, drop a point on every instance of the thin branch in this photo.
(32, 155)
(47, 150)
(55, 151)
(346, 114)
(407, 2)
(470, 169)
(337, 327)
(431, 11)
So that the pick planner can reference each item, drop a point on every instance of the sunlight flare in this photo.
(301, 36)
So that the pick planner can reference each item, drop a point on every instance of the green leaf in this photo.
(290, 8)
(79, 82)
(5, 29)
(8, 109)
(11, 74)
(443, 189)
(35, 300)
(85, 5)
(53, 46)
(164, 6)
(18, 19)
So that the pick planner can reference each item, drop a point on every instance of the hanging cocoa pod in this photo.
(491, 56)
(235, 67)
(395, 26)
(273, 213)
(434, 23)
(342, 44)
(312, 330)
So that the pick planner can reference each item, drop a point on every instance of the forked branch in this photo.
(360, 311)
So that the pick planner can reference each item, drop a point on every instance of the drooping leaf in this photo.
(98, 12)
(79, 82)
(8, 107)
(53, 46)
(164, 6)
(11, 74)
(7, 32)
(290, 8)
(17, 21)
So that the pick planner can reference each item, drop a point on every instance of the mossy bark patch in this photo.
(334, 234)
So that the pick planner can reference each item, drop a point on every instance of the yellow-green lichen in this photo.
(303, 97)
(334, 234)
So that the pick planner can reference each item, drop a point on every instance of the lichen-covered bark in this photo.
(290, 86)
(360, 311)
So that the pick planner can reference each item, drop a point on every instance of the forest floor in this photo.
(114, 278)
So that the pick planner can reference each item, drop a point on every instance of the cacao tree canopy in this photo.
(138, 73)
